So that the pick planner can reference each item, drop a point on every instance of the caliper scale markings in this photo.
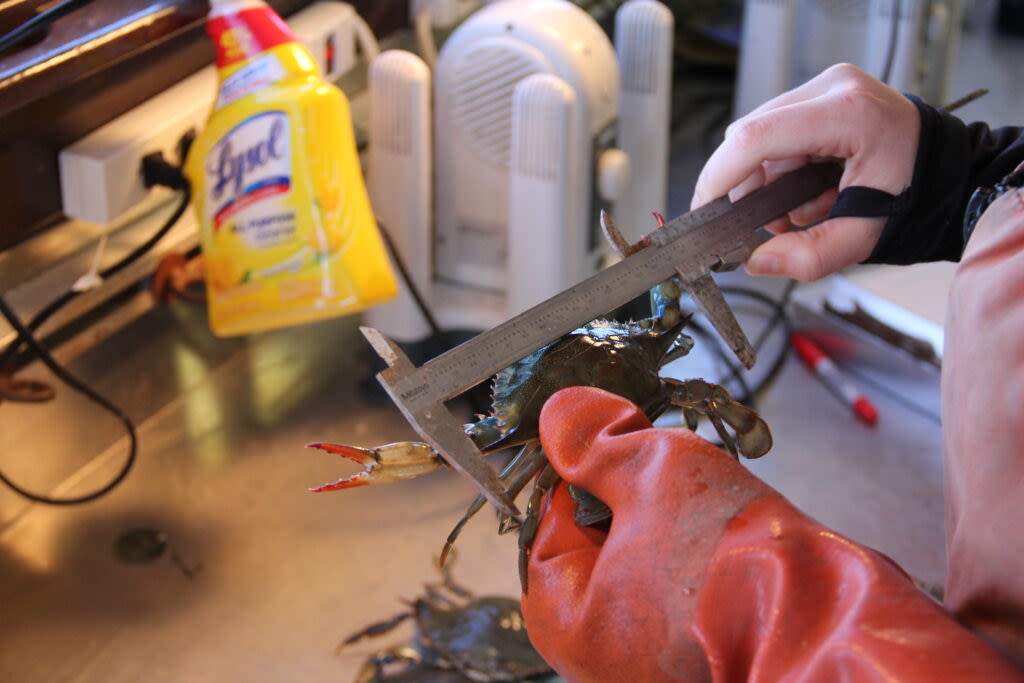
(718, 236)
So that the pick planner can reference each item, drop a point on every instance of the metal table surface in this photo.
(283, 574)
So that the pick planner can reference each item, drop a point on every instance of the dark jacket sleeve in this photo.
(953, 159)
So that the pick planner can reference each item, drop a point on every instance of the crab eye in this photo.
(512, 621)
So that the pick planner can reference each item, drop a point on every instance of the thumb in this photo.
(818, 251)
(562, 558)
(576, 422)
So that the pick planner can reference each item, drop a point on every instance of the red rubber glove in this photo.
(709, 574)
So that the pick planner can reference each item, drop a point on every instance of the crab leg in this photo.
(452, 585)
(753, 438)
(547, 478)
(531, 463)
(373, 670)
(727, 440)
(522, 467)
(434, 595)
(384, 464)
(373, 630)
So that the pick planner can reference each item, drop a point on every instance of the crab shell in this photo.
(621, 357)
(485, 639)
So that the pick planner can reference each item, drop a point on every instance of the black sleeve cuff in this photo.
(952, 160)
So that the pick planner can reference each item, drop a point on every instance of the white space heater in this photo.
(766, 53)
(643, 43)
(786, 42)
(526, 110)
(398, 177)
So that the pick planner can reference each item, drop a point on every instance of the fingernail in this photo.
(764, 264)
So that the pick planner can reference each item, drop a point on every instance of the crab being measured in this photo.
(624, 358)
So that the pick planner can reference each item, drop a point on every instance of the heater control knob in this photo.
(612, 174)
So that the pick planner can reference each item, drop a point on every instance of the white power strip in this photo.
(100, 174)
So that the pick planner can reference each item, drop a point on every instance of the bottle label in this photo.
(243, 35)
(260, 72)
(249, 179)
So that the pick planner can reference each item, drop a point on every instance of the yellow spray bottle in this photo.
(288, 235)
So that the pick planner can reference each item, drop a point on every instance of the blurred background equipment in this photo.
(536, 125)
(1011, 17)
(909, 44)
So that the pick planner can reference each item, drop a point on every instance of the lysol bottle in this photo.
(288, 235)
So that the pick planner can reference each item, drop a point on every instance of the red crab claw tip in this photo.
(363, 456)
(346, 483)
(658, 217)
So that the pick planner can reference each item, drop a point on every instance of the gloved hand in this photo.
(843, 113)
(708, 574)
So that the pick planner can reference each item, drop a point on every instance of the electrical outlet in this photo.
(328, 30)
(100, 175)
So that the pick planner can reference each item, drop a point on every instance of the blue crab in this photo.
(459, 637)
(621, 357)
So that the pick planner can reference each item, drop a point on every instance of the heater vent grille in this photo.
(399, 94)
(485, 78)
(643, 34)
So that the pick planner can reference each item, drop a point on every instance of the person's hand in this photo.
(706, 573)
(842, 114)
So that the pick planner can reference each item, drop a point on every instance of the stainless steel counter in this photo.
(283, 573)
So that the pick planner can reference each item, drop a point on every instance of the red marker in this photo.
(831, 377)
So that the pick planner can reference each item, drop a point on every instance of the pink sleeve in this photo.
(983, 429)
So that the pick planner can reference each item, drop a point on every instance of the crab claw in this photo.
(384, 464)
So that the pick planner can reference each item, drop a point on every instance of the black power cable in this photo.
(168, 175)
(82, 388)
(479, 396)
(414, 290)
(49, 16)
(44, 314)
(155, 172)
(778, 317)
(890, 56)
